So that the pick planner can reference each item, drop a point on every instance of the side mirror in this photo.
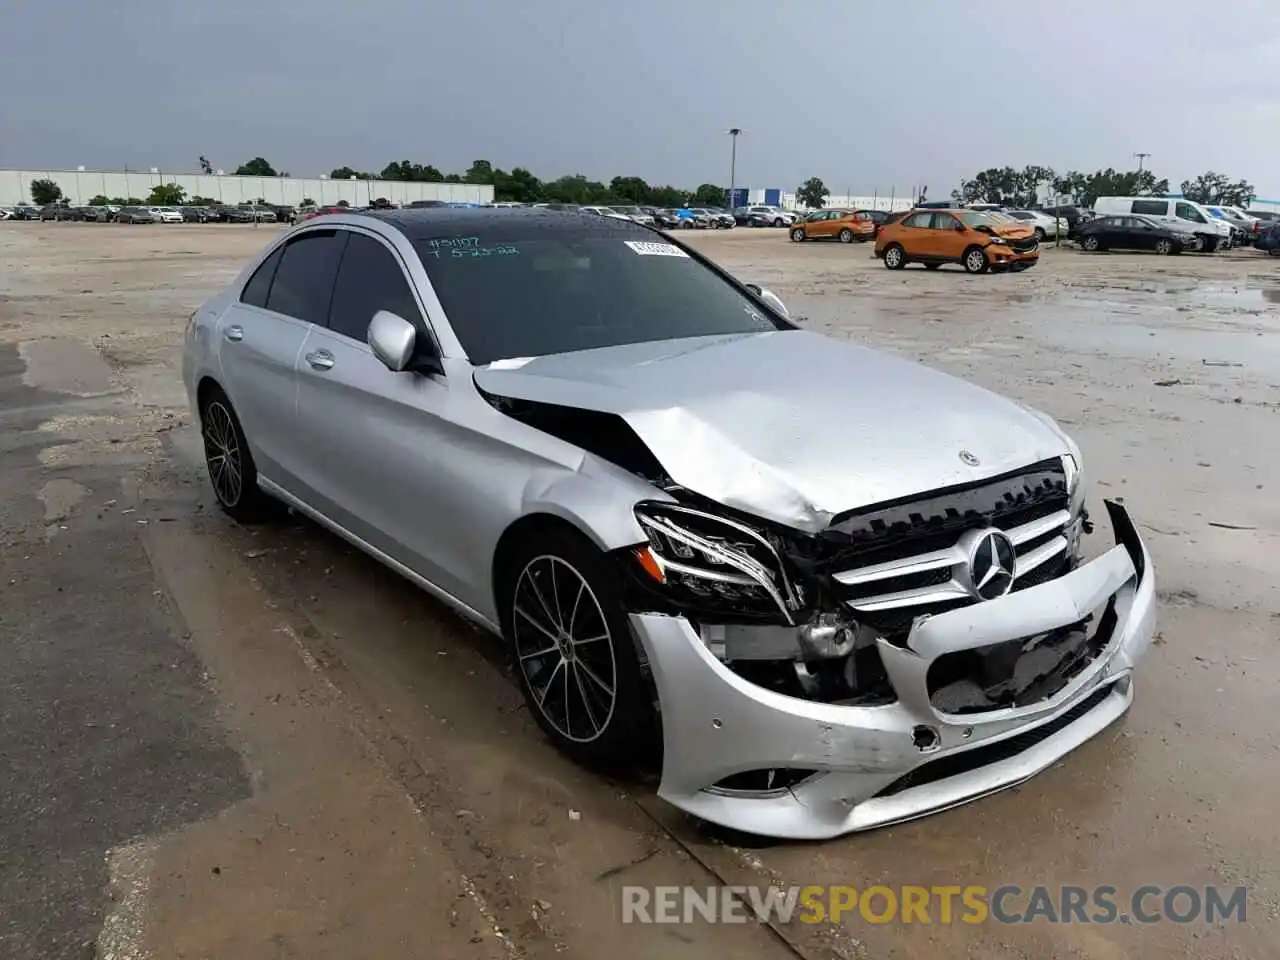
(960, 227)
(770, 298)
(392, 340)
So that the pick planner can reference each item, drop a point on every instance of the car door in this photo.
(822, 224)
(1138, 234)
(916, 235)
(259, 338)
(947, 242)
(376, 438)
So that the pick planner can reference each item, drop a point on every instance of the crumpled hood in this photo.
(790, 426)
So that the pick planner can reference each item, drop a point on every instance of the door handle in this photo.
(320, 359)
(234, 333)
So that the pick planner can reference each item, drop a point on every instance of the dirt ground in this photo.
(223, 742)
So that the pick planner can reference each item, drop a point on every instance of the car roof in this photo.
(512, 222)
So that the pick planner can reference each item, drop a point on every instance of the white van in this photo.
(1179, 214)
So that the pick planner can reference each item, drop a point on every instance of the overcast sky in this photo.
(865, 95)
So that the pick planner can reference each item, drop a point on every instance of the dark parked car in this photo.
(24, 211)
(419, 204)
(665, 219)
(1268, 240)
(1130, 233)
(56, 212)
(236, 215)
(135, 215)
(94, 214)
(751, 217)
(195, 214)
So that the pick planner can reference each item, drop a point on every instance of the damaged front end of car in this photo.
(910, 656)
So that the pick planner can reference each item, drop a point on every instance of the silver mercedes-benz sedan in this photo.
(833, 588)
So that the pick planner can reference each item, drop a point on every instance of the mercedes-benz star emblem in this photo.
(992, 565)
(969, 458)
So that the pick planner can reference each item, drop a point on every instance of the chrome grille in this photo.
(896, 561)
(880, 586)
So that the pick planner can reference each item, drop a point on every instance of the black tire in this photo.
(846, 235)
(895, 258)
(225, 446)
(932, 266)
(1164, 247)
(1209, 244)
(1039, 235)
(975, 260)
(1274, 252)
(798, 234)
(547, 577)
(1091, 244)
(778, 222)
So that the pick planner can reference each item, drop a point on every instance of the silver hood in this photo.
(790, 426)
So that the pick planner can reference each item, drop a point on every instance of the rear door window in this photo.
(303, 284)
(944, 221)
(370, 279)
(1158, 208)
(918, 220)
(259, 286)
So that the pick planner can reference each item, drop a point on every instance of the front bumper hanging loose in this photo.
(850, 768)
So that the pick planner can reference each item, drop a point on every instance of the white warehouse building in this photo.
(80, 186)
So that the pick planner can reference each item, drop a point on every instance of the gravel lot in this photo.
(222, 742)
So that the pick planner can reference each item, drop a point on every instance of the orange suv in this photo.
(843, 225)
(977, 241)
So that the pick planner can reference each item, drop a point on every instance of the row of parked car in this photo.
(113, 213)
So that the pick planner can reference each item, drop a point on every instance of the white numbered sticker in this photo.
(648, 249)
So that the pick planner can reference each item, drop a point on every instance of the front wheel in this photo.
(1164, 247)
(777, 221)
(846, 235)
(1090, 244)
(975, 260)
(1040, 235)
(573, 651)
(895, 258)
(798, 234)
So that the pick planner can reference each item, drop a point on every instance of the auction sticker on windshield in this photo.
(649, 249)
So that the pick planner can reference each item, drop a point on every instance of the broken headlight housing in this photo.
(1079, 523)
(702, 562)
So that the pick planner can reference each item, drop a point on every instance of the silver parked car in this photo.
(838, 589)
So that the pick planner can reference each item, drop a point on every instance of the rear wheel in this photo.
(895, 258)
(846, 235)
(573, 650)
(975, 260)
(797, 234)
(232, 472)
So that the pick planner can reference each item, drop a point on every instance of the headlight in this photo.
(1075, 483)
(701, 560)
(1000, 240)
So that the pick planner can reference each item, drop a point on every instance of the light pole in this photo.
(79, 195)
(733, 165)
(1141, 157)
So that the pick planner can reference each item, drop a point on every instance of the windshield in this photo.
(529, 292)
(1021, 215)
(974, 219)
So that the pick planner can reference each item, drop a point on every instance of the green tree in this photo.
(257, 167)
(342, 203)
(481, 171)
(198, 201)
(1214, 188)
(205, 166)
(308, 202)
(44, 192)
(346, 173)
(813, 193)
(518, 186)
(99, 201)
(629, 189)
(709, 195)
(166, 195)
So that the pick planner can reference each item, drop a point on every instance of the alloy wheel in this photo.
(1163, 246)
(975, 261)
(222, 453)
(564, 648)
(893, 257)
